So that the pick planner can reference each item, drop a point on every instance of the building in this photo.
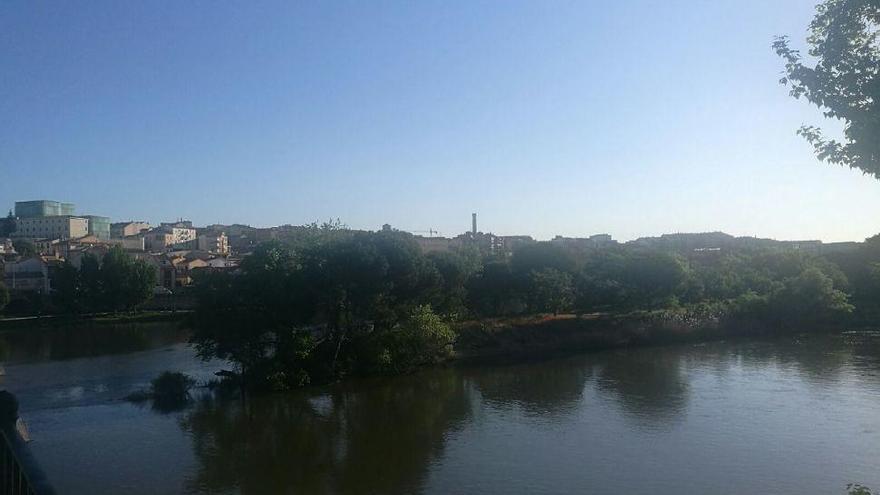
(216, 243)
(513, 242)
(43, 208)
(99, 226)
(433, 244)
(51, 227)
(43, 219)
(130, 243)
(592, 242)
(30, 275)
(169, 235)
(126, 229)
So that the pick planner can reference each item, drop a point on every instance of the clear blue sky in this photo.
(627, 117)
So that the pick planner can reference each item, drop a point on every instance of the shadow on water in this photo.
(649, 385)
(87, 339)
(550, 388)
(367, 436)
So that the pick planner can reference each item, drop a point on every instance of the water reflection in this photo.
(376, 437)
(758, 416)
(649, 385)
(538, 389)
(87, 339)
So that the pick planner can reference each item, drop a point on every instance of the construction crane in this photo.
(430, 232)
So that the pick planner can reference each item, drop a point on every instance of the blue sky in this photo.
(628, 117)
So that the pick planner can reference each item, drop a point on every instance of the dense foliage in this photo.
(343, 302)
(114, 283)
(844, 80)
(346, 303)
(4, 296)
(24, 248)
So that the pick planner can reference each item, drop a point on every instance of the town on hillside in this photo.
(38, 236)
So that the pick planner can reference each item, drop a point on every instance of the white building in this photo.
(213, 243)
(54, 227)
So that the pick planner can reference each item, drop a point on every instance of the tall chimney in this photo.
(474, 222)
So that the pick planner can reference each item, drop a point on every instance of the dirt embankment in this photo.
(545, 335)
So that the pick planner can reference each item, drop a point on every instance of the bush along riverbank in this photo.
(542, 336)
(334, 303)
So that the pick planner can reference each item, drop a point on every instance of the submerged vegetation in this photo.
(170, 391)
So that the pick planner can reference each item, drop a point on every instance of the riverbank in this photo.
(542, 336)
(508, 338)
(56, 321)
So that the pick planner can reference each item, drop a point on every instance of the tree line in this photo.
(115, 282)
(338, 302)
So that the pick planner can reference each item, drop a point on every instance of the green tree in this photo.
(810, 296)
(454, 270)
(494, 290)
(125, 283)
(857, 489)
(67, 291)
(542, 255)
(421, 338)
(4, 296)
(24, 248)
(7, 225)
(843, 80)
(550, 290)
(629, 278)
(115, 283)
(90, 283)
(241, 318)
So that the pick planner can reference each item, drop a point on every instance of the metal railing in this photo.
(19, 472)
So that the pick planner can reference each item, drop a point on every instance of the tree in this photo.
(115, 283)
(454, 269)
(125, 283)
(4, 296)
(630, 279)
(90, 284)
(421, 338)
(237, 316)
(844, 82)
(550, 290)
(24, 248)
(493, 291)
(542, 255)
(7, 225)
(810, 296)
(67, 293)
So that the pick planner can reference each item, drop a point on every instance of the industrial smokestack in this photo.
(474, 221)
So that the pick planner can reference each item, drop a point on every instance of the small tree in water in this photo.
(170, 390)
(422, 338)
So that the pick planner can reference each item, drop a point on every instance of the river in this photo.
(789, 416)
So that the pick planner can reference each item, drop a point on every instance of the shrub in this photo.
(171, 389)
(422, 338)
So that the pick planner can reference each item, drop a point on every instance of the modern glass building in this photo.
(99, 226)
(43, 208)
